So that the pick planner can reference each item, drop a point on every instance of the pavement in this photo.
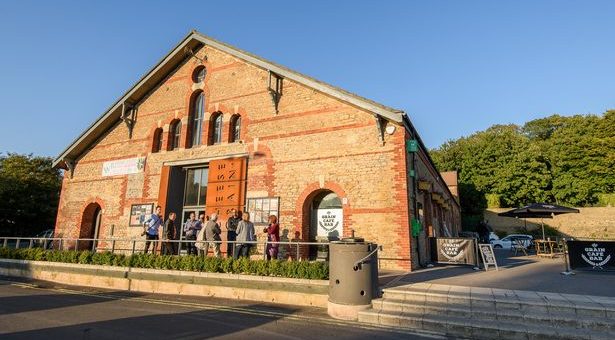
(525, 273)
(36, 309)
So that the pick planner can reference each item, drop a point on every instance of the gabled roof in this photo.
(167, 64)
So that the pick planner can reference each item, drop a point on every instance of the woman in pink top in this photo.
(273, 236)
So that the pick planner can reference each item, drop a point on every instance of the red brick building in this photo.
(212, 127)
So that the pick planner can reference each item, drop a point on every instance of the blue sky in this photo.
(455, 67)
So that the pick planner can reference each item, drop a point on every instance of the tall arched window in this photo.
(215, 128)
(196, 123)
(158, 137)
(235, 132)
(175, 134)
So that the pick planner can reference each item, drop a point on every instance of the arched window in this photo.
(196, 123)
(175, 134)
(215, 128)
(235, 132)
(199, 74)
(158, 137)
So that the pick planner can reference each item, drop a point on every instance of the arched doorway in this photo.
(90, 226)
(326, 221)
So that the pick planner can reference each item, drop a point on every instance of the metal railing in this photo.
(286, 249)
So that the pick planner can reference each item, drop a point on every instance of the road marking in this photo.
(239, 310)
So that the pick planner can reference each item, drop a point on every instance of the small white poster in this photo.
(330, 223)
(123, 166)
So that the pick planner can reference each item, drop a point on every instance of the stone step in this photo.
(552, 317)
(477, 329)
(525, 302)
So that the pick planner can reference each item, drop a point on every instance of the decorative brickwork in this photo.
(314, 143)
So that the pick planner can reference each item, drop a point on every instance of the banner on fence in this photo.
(592, 255)
(453, 250)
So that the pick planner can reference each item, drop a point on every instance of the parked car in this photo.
(493, 236)
(506, 242)
(48, 244)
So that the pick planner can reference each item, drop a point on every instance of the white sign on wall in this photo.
(330, 222)
(123, 166)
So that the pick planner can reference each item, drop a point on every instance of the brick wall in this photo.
(314, 143)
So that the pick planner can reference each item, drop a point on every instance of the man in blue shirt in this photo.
(151, 226)
(192, 228)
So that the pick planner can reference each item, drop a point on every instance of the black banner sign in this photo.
(453, 250)
(592, 255)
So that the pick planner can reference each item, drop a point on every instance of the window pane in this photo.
(192, 187)
(201, 75)
(203, 186)
(236, 133)
(199, 111)
(177, 132)
(218, 130)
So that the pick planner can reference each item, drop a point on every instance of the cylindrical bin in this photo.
(353, 277)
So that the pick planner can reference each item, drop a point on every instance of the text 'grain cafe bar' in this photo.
(211, 127)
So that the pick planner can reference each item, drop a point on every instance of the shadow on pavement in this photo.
(188, 325)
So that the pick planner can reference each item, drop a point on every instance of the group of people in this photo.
(203, 234)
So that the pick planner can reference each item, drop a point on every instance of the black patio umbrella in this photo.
(539, 210)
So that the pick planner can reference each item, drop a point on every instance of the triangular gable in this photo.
(192, 41)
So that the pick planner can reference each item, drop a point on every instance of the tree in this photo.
(569, 160)
(29, 194)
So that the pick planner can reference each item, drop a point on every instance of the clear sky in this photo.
(455, 67)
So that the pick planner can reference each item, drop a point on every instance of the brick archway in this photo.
(88, 224)
(305, 201)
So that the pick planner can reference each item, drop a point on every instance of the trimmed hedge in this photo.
(291, 269)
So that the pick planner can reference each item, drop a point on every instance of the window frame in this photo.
(158, 140)
(251, 207)
(175, 134)
(235, 129)
(196, 74)
(215, 135)
(197, 116)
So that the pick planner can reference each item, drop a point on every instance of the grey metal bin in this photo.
(353, 277)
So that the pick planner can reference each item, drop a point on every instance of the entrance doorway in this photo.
(186, 193)
(326, 222)
(90, 227)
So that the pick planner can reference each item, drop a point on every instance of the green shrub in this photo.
(493, 200)
(292, 269)
(606, 200)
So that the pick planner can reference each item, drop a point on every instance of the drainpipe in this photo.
(413, 198)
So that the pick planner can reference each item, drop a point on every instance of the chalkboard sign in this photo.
(488, 256)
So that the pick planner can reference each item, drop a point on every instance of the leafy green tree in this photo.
(29, 194)
(568, 160)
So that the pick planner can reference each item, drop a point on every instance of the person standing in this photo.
(150, 230)
(212, 234)
(273, 237)
(191, 228)
(231, 231)
(168, 236)
(245, 234)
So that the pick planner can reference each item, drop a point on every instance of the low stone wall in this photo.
(593, 222)
(230, 286)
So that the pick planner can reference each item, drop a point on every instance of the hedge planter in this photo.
(223, 278)
(290, 269)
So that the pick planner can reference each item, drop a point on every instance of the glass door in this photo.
(194, 198)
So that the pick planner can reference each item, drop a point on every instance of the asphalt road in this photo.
(37, 309)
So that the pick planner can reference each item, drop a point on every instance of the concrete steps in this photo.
(480, 313)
